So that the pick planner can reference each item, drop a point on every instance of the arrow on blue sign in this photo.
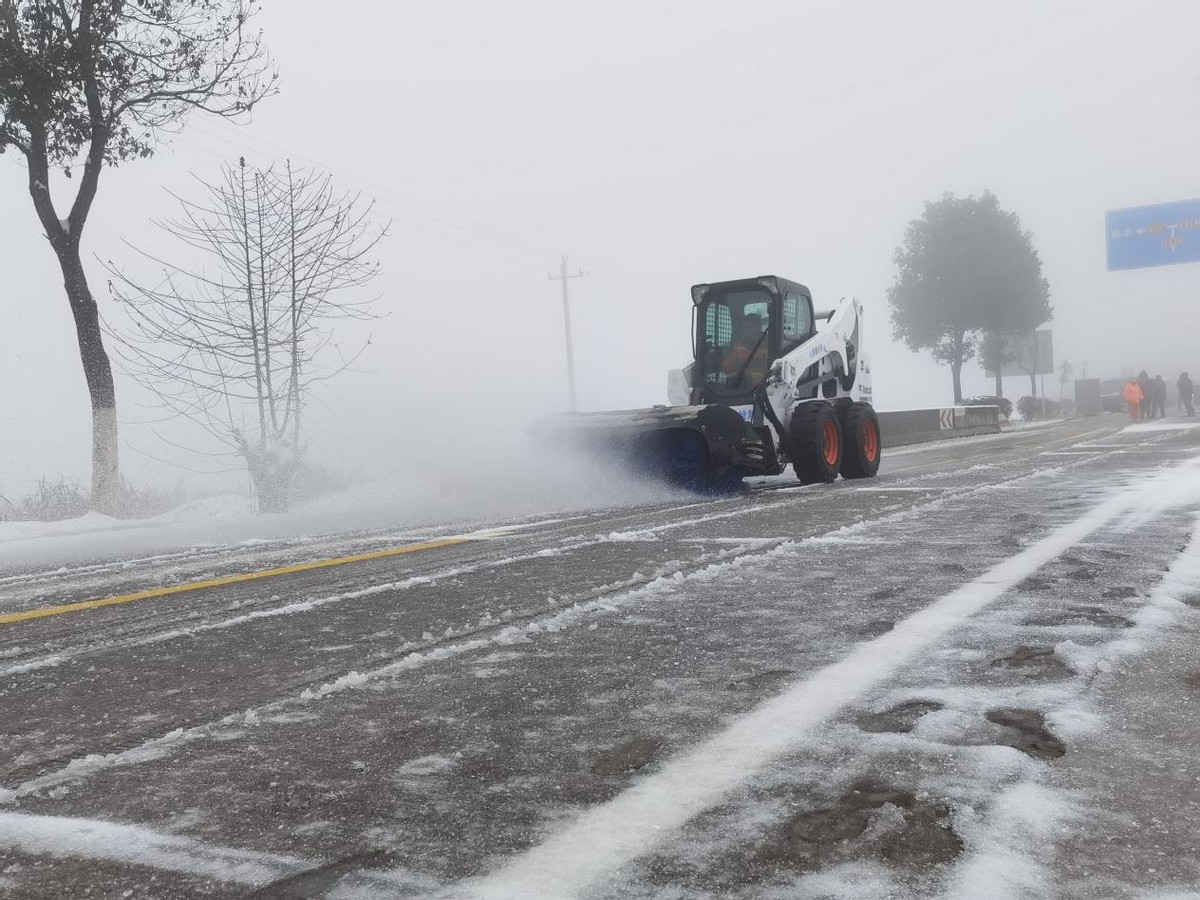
(1160, 235)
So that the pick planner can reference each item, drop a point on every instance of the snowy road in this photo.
(972, 676)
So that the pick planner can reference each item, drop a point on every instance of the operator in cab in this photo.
(747, 361)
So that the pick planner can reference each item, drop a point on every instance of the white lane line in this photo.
(613, 834)
(65, 837)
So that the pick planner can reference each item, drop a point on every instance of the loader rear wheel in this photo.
(815, 436)
(862, 446)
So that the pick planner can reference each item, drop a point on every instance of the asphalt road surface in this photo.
(975, 675)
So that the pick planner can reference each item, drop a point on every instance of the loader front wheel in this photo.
(815, 436)
(862, 446)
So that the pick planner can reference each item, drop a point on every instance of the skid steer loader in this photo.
(772, 382)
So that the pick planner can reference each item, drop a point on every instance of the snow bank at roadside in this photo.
(224, 507)
(95, 536)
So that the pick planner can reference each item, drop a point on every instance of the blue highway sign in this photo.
(1160, 235)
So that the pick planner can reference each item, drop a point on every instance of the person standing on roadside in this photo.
(1133, 398)
(1187, 391)
(1147, 388)
(1158, 408)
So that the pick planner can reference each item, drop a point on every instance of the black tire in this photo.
(815, 439)
(861, 444)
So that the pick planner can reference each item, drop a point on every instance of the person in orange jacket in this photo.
(1134, 398)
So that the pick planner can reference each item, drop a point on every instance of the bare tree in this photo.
(96, 83)
(238, 341)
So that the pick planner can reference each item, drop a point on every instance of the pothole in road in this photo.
(628, 757)
(873, 818)
(1028, 732)
(1081, 615)
(1033, 662)
(1193, 680)
(900, 719)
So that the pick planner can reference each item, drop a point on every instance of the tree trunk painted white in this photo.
(106, 469)
(97, 371)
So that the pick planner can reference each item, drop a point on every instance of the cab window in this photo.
(736, 340)
(797, 317)
(718, 325)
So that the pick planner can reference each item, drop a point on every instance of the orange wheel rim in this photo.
(871, 442)
(829, 442)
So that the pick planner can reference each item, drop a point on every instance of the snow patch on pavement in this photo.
(1150, 427)
(1012, 846)
(83, 766)
(60, 836)
(625, 537)
(851, 881)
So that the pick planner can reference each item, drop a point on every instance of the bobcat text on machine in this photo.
(773, 382)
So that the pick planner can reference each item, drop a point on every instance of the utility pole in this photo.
(564, 278)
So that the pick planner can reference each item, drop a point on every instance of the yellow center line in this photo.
(151, 593)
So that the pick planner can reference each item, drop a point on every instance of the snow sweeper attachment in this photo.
(772, 382)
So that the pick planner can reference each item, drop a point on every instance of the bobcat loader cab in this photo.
(741, 328)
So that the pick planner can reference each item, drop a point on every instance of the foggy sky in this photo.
(659, 144)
